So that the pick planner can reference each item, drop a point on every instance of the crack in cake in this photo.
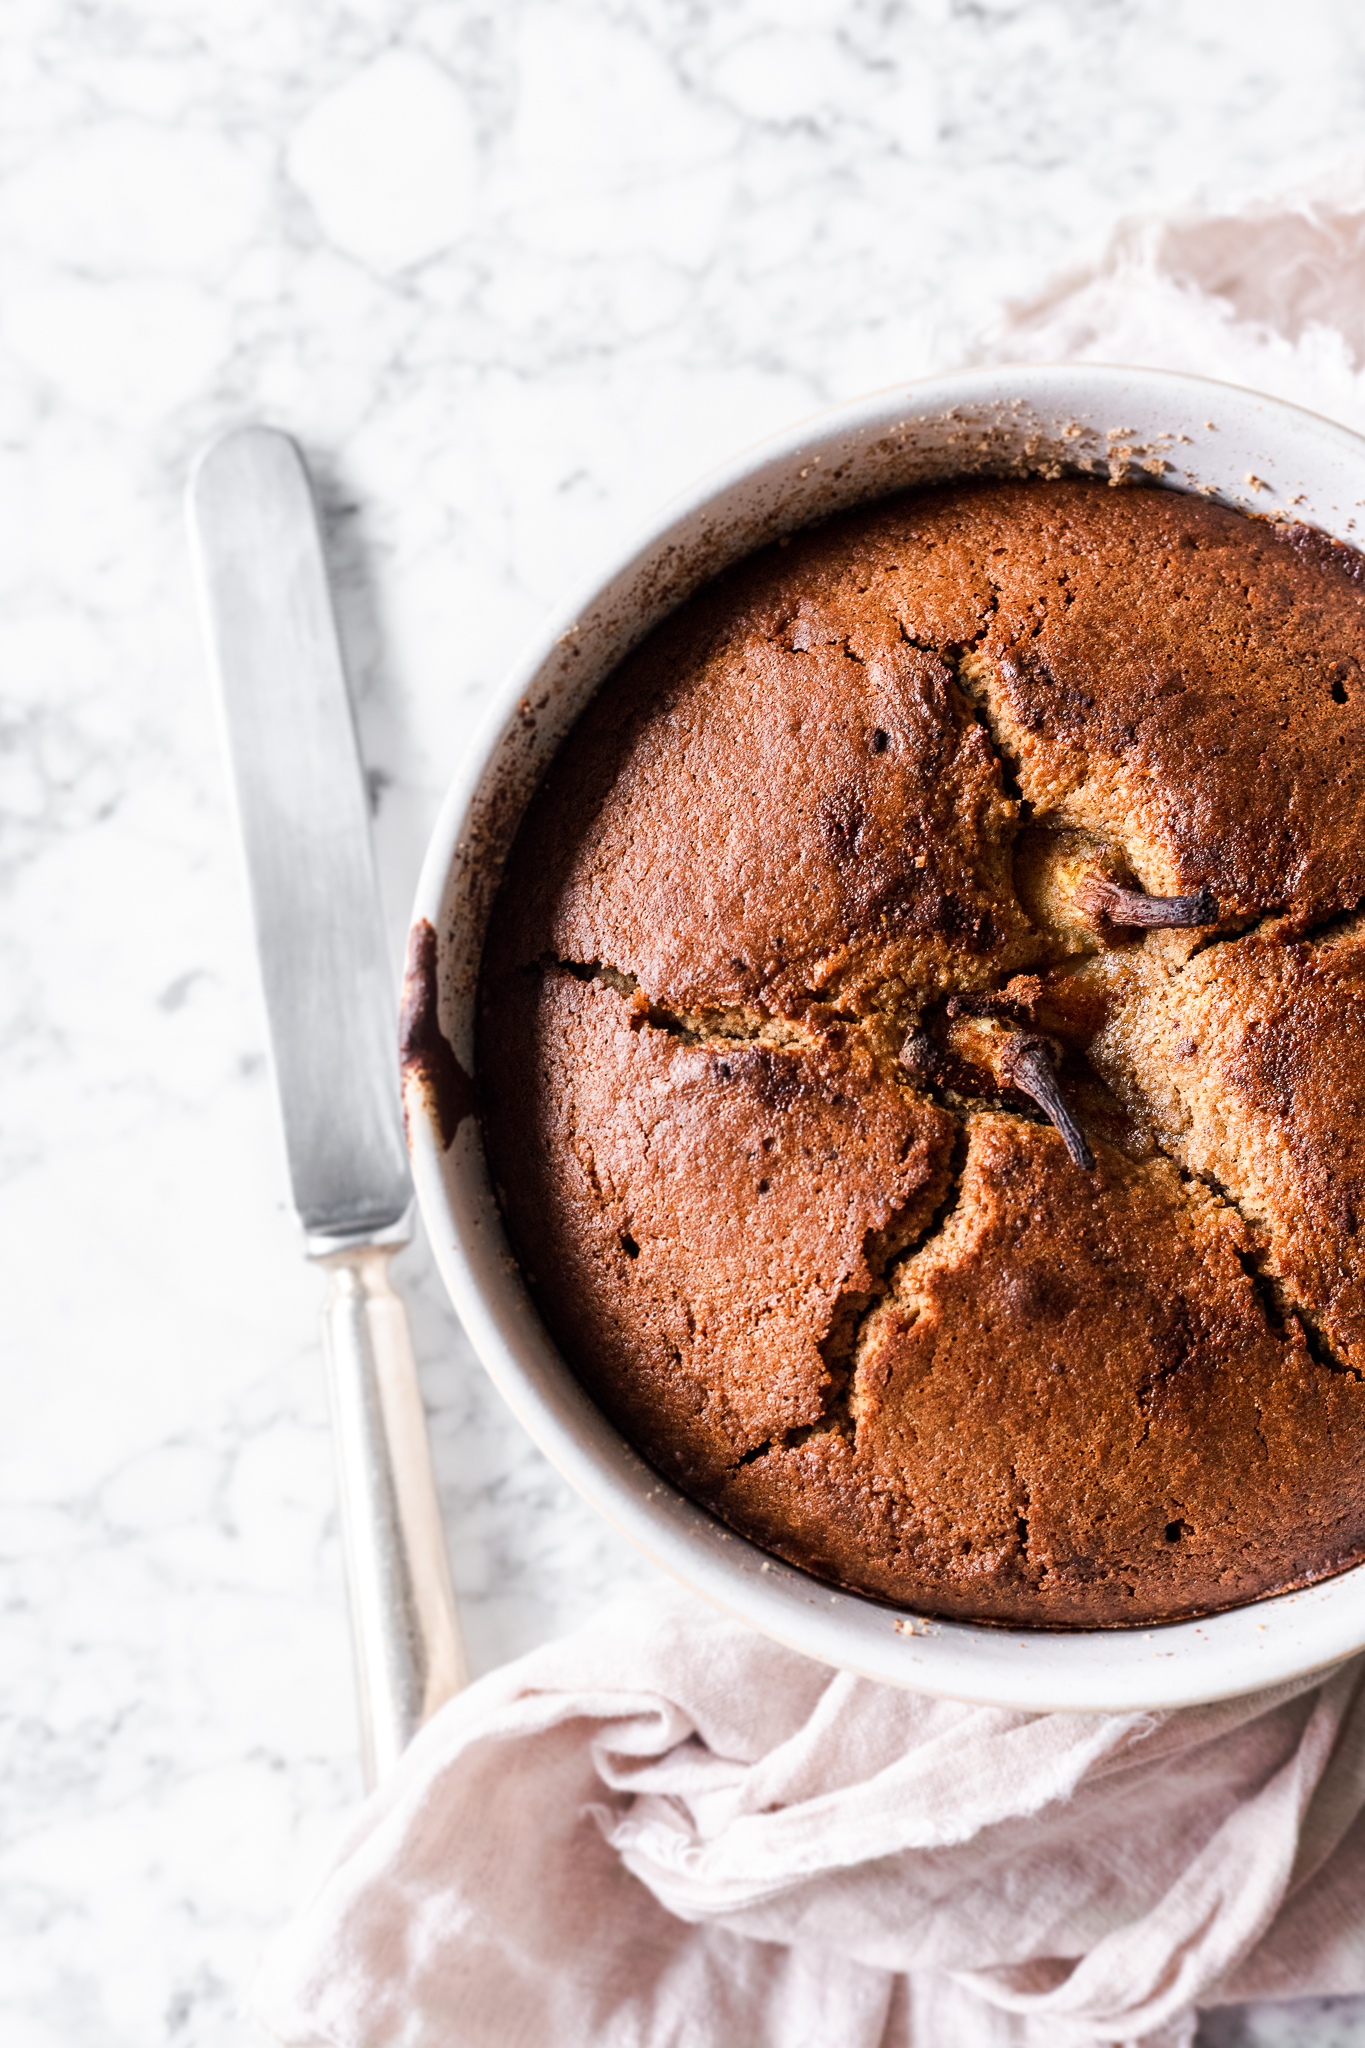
(922, 1052)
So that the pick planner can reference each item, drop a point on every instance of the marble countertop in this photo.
(512, 275)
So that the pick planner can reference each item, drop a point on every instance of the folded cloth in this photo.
(666, 1831)
(1269, 293)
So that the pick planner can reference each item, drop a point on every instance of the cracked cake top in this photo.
(922, 1052)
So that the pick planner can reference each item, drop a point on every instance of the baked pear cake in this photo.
(922, 1052)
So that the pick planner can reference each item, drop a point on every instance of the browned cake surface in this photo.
(813, 859)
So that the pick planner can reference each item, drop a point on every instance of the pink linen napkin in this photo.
(667, 1832)
(1270, 294)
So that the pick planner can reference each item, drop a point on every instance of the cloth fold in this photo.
(1266, 293)
(727, 1846)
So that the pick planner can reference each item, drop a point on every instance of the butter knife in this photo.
(304, 821)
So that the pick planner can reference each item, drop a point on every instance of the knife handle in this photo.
(408, 1652)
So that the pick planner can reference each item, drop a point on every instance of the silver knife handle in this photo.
(408, 1652)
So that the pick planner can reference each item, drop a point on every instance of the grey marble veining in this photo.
(1301, 2023)
(512, 274)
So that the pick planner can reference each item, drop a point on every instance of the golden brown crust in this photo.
(1072, 1406)
(694, 1214)
(1170, 674)
(779, 800)
(864, 1305)
(1254, 1055)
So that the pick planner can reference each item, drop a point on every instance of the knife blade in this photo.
(305, 827)
(303, 818)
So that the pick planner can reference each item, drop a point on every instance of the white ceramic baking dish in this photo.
(1194, 435)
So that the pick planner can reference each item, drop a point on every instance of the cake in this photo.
(921, 1052)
